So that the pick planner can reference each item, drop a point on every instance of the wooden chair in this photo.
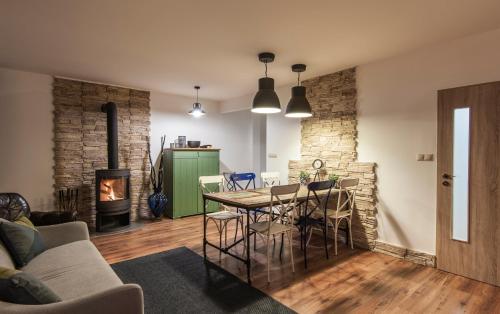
(212, 184)
(344, 208)
(270, 179)
(282, 222)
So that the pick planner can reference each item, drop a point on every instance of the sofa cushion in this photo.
(5, 258)
(73, 270)
(21, 239)
(21, 288)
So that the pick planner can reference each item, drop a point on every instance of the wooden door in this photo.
(208, 165)
(468, 179)
(185, 184)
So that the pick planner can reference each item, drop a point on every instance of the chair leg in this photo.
(350, 233)
(244, 242)
(225, 233)
(236, 231)
(310, 236)
(305, 248)
(300, 231)
(268, 262)
(336, 228)
(289, 235)
(282, 244)
(241, 226)
(220, 239)
(255, 234)
(325, 240)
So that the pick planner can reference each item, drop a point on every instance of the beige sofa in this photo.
(74, 269)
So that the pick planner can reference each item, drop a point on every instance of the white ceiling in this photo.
(170, 46)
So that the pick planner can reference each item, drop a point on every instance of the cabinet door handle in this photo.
(446, 183)
(447, 176)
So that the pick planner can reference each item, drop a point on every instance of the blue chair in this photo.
(229, 182)
(242, 181)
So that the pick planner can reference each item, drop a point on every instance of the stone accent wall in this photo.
(406, 254)
(330, 135)
(81, 140)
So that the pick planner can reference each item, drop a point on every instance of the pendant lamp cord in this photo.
(265, 63)
(298, 78)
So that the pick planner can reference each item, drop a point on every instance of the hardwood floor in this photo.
(355, 281)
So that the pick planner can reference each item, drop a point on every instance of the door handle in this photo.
(447, 176)
(446, 183)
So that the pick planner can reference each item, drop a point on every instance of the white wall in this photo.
(26, 132)
(397, 118)
(282, 135)
(231, 132)
(26, 156)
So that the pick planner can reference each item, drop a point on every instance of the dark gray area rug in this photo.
(180, 281)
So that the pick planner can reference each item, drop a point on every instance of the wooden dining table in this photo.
(251, 201)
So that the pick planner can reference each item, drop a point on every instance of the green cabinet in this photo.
(183, 167)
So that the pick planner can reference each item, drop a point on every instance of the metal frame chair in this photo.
(229, 184)
(270, 179)
(281, 223)
(345, 208)
(247, 180)
(248, 177)
(313, 204)
(222, 217)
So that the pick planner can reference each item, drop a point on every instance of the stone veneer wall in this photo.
(81, 141)
(330, 135)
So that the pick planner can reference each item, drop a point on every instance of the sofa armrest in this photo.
(56, 235)
(126, 299)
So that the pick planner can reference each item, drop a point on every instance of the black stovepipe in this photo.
(112, 126)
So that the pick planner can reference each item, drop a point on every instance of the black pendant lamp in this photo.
(298, 106)
(266, 100)
(197, 111)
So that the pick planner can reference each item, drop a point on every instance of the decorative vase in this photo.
(157, 203)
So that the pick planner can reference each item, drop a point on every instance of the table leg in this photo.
(204, 228)
(305, 237)
(248, 248)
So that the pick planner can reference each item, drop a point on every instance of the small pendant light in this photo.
(298, 106)
(197, 111)
(266, 100)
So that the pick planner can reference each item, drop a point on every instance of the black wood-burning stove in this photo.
(112, 185)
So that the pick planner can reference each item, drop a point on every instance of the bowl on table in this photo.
(193, 144)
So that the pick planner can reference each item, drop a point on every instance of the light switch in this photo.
(428, 157)
(420, 157)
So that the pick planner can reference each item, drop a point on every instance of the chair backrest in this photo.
(207, 184)
(347, 194)
(212, 184)
(283, 210)
(270, 179)
(318, 193)
(229, 183)
(243, 181)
